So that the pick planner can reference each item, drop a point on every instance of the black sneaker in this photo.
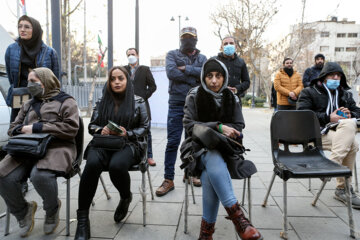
(341, 196)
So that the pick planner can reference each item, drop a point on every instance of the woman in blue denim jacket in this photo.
(28, 52)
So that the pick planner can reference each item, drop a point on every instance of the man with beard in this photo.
(288, 86)
(329, 97)
(239, 80)
(313, 72)
(183, 68)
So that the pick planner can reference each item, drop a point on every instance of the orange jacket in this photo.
(284, 84)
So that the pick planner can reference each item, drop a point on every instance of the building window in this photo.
(339, 49)
(352, 35)
(324, 48)
(341, 35)
(351, 49)
(324, 34)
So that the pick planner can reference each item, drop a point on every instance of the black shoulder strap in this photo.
(43, 57)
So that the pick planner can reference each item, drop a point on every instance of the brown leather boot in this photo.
(206, 230)
(166, 186)
(245, 230)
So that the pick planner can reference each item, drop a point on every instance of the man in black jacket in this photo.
(239, 80)
(328, 97)
(144, 86)
(313, 72)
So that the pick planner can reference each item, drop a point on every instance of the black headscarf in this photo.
(116, 107)
(31, 48)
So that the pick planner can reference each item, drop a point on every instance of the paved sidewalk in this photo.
(328, 220)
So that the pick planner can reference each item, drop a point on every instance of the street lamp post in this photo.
(173, 19)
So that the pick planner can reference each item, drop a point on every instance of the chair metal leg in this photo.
(243, 196)
(284, 233)
(186, 205)
(104, 186)
(92, 202)
(192, 189)
(143, 194)
(356, 178)
(320, 191)
(269, 189)
(7, 222)
(309, 184)
(349, 207)
(249, 198)
(150, 184)
(67, 207)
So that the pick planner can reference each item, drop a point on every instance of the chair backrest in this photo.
(79, 141)
(295, 127)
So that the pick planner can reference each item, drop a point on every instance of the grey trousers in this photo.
(44, 182)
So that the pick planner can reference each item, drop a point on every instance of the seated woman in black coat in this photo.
(121, 106)
(212, 104)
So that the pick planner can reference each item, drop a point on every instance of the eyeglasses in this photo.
(25, 26)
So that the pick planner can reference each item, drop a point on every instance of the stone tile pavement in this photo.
(328, 220)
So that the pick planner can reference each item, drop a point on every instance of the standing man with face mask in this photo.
(239, 80)
(329, 98)
(313, 72)
(288, 86)
(144, 86)
(183, 68)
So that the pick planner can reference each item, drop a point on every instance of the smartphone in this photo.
(340, 113)
(114, 127)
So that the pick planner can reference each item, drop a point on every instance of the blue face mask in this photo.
(229, 50)
(332, 84)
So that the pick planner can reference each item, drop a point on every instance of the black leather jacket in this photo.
(137, 133)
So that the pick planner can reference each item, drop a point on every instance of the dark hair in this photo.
(287, 58)
(25, 18)
(117, 107)
(319, 55)
(137, 52)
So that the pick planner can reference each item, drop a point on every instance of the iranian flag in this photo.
(100, 53)
(23, 7)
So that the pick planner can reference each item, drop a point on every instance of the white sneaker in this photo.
(51, 222)
(27, 223)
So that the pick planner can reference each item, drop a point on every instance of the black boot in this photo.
(83, 226)
(122, 209)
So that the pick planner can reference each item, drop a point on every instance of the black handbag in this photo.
(32, 146)
(231, 150)
(108, 142)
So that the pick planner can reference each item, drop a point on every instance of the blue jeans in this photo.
(216, 185)
(149, 149)
(174, 131)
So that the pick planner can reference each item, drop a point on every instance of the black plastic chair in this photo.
(302, 127)
(79, 141)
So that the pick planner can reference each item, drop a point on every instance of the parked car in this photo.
(5, 111)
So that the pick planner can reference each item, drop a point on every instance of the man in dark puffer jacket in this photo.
(326, 96)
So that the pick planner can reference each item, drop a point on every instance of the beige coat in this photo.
(284, 84)
(62, 151)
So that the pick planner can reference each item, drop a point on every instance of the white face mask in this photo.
(132, 59)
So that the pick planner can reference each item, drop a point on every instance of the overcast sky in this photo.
(158, 34)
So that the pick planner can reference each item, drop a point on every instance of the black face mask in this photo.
(289, 71)
(188, 45)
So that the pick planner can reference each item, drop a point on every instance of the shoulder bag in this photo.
(108, 142)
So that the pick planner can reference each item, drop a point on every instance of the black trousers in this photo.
(286, 107)
(117, 163)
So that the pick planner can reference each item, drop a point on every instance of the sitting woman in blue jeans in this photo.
(214, 105)
(121, 106)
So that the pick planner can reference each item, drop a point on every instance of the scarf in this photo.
(333, 100)
(31, 48)
(50, 82)
(212, 108)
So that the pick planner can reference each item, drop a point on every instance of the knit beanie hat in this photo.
(213, 66)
